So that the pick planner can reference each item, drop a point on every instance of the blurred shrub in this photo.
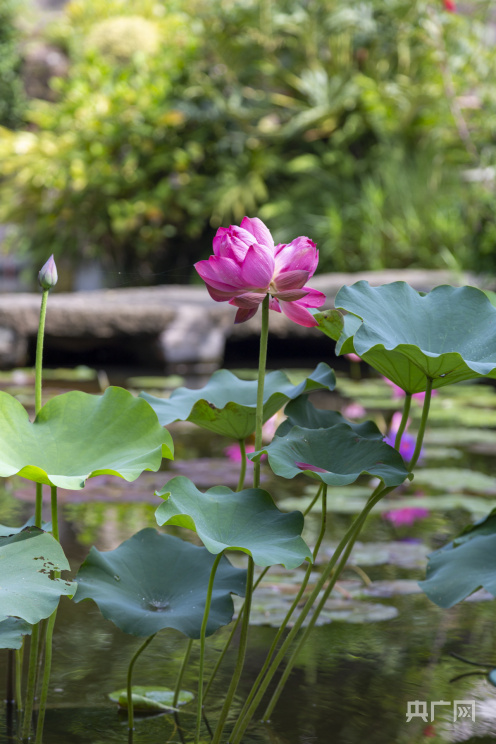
(346, 123)
(12, 100)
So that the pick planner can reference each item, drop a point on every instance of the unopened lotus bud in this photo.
(48, 275)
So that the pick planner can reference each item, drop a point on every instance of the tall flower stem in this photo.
(180, 676)
(129, 685)
(423, 424)
(404, 420)
(242, 472)
(243, 640)
(31, 685)
(203, 633)
(247, 712)
(37, 392)
(46, 678)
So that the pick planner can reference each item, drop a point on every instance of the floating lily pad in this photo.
(455, 479)
(12, 631)
(247, 520)
(5, 531)
(148, 699)
(459, 437)
(227, 405)
(301, 412)
(77, 435)
(154, 581)
(463, 565)
(29, 589)
(393, 553)
(447, 335)
(336, 456)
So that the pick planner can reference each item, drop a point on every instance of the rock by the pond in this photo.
(167, 324)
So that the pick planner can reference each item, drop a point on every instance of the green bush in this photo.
(345, 123)
(12, 101)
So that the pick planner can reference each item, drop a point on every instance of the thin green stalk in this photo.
(129, 686)
(38, 506)
(294, 605)
(46, 678)
(39, 353)
(242, 472)
(404, 420)
(262, 363)
(203, 633)
(18, 688)
(241, 656)
(304, 637)
(55, 518)
(31, 686)
(181, 673)
(231, 635)
(316, 498)
(423, 424)
(247, 712)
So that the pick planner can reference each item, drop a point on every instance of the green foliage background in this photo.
(11, 89)
(354, 124)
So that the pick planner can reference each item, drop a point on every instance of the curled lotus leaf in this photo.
(227, 405)
(76, 436)
(12, 632)
(246, 520)
(337, 456)
(301, 412)
(148, 699)
(447, 335)
(154, 581)
(464, 565)
(29, 588)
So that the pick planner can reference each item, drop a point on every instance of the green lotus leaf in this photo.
(28, 588)
(246, 520)
(301, 412)
(76, 436)
(330, 322)
(5, 531)
(447, 335)
(12, 631)
(154, 581)
(337, 456)
(148, 699)
(227, 405)
(464, 565)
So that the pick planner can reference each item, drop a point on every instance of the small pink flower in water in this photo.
(247, 266)
(353, 411)
(450, 6)
(306, 466)
(406, 516)
(233, 452)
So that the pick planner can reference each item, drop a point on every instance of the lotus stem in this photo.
(242, 472)
(46, 678)
(31, 686)
(55, 518)
(404, 420)
(262, 363)
(423, 424)
(129, 686)
(18, 688)
(181, 673)
(203, 633)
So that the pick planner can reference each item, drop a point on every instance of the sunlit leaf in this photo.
(227, 405)
(247, 520)
(463, 565)
(447, 335)
(76, 436)
(154, 581)
(28, 587)
(336, 456)
(150, 699)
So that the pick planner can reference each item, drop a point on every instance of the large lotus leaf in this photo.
(447, 335)
(154, 581)
(5, 530)
(77, 435)
(28, 588)
(301, 412)
(12, 631)
(227, 405)
(246, 520)
(336, 456)
(463, 565)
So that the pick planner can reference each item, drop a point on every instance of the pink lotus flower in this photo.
(246, 266)
(450, 6)
(406, 515)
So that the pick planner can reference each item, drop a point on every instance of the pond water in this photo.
(384, 645)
